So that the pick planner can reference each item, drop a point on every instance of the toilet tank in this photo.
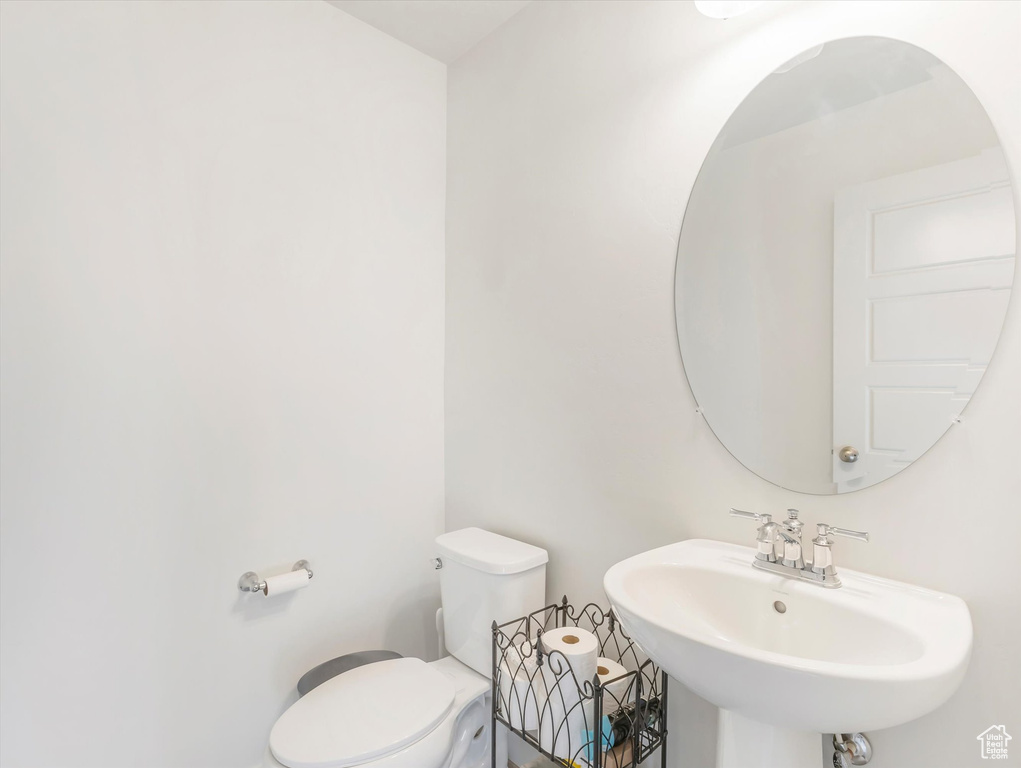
(486, 577)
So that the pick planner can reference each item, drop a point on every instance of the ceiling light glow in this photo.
(725, 9)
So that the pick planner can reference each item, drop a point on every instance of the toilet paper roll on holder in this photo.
(250, 581)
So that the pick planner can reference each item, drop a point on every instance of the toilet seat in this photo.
(363, 715)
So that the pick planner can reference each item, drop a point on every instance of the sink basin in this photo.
(787, 659)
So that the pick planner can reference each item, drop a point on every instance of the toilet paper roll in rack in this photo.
(608, 714)
(250, 581)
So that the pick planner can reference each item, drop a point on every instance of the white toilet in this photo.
(405, 713)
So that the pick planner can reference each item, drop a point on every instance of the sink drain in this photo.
(779, 607)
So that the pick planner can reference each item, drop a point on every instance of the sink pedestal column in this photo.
(745, 743)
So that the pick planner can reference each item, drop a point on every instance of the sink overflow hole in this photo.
(779, 607)
(479, 732)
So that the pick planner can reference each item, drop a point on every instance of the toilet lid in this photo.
(363, 714)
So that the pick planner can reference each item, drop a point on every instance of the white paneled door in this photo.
(923, 264)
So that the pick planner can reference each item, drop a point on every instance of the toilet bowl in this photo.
(404, 712)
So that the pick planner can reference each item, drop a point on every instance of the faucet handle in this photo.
(822, 569)
(762, 518)
(766, 538)
(825, 530)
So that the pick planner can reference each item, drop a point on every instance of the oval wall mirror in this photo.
(845, 264)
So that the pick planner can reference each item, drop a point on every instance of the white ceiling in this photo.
(443, 29)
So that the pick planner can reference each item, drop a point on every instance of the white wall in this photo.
(575, 135)
(222, 331)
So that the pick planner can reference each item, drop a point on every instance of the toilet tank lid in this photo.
(489, 552)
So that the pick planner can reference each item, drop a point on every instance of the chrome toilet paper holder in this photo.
(250, 581)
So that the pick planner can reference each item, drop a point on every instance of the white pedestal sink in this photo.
(787, 660)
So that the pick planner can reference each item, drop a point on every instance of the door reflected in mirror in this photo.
(845, 265)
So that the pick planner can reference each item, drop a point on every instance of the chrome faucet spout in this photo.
(782, 533)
